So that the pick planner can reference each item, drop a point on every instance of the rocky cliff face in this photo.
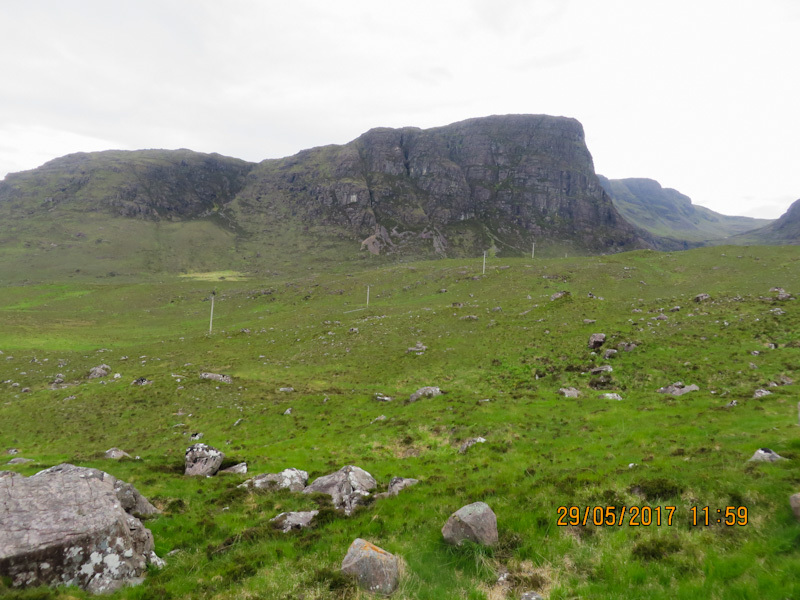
(496, 181)
(153, 184)
(785, 230)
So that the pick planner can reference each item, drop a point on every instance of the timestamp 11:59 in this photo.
(729, 515)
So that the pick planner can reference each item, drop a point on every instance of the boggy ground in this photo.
(542, 451)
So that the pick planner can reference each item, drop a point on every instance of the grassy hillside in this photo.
(313, 332)
(668, 213)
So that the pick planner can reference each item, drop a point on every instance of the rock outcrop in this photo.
(69, 525)
(348, 487)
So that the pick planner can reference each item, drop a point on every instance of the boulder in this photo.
(99, 371)
(470, 443)
(678, 389)
(202, 460)
(293, 520)
(116, 454)
(794, 502)
(569, 392)
(239, 469)
(293, 480)
(348, 487)
(702, 297)
(67, 526)
(596, 340)
(761, 393)
(425, 392)
(217, 377)
(400, 483)
(475, 522)
(765, 455)
(375, 569)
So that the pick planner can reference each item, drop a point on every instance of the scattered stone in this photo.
(784, 296)
(141, 381)
(68, 526)
(375, 569)
(12, 451)
(217, 377)
(443, 291)
(761, 393)
(289, 521)
(239, 469)
(778, 311)
(662, 318)
(475, 522)
(596, 340)
(352, 330)
(458, 305)
(678, 389)
(378, 418)
(765, 455)
(559, 295)
(794, 502)
(530, 596)
(58, 379)
(470, 443)
(469, 318)
(348, 487)
(19, 461)
(589, 321)
(497, 309)
(610, 353)
(569, 392)
(382, 397)
(397, 484)
(293, 480)
(202, 460)
(419, 349)
(238, 422)
(99, 371)
(731, 404)
(286, 389)
(702, 297)
(196, 437)
(425, 392)
(116, 454)
(778, 290)
(288, 411)
(784, 380)
(611, 396)
(675, 309)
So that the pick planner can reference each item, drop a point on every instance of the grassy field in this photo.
(312, 331)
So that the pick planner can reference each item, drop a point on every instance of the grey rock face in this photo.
(475, 522)
(290, 479)
(348, 487)
(99, 371)
(116, 454)
(400, 483)
(425, 392)
(239, 469)
(765, 455)
(294, 520)
(375, 569)
(202, 460)
(217, 377)
(67, 526)
(678, 389)
(596, 340)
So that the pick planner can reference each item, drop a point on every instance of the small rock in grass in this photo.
(475, 522)
(239, 469)
(19, 461)
(611, 396)
(470, 443)
(293, 480)
(765, 455)
(570, 392)
(116, 454)
(596, 340)
(375, 569)
(761, 393)
(289, 521)
(425, 392)
(794, 502)
(99, 371)
(678, 389)
(217, 377)
(202, 460)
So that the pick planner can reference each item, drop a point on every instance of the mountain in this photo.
(784, 230)
(668, 213)
(497, 183)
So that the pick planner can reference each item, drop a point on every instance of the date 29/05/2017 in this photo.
(644, 516)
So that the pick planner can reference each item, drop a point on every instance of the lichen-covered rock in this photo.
(425, 392)
(116, 454)
(289, 479)
(217, 377)
(288, 521)
(348, 487)
(202, 460)
(475, 522)
(677, 389)
(375, 569)
(67, 526)
(765, 455)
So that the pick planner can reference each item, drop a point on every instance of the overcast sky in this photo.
(701, 95)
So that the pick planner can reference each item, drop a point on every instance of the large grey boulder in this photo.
(289, 479)
(348, 487)
(375, 569)
(67, 526)
(288, 521)
(765, 455)
(428, 391)
(475, 522)
(202, 460)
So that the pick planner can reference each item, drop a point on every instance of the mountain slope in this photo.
(785, 230)
(667, 212)
(449, 191)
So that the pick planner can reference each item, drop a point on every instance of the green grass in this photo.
(542, 451)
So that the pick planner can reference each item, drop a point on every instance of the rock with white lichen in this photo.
(202, 460)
